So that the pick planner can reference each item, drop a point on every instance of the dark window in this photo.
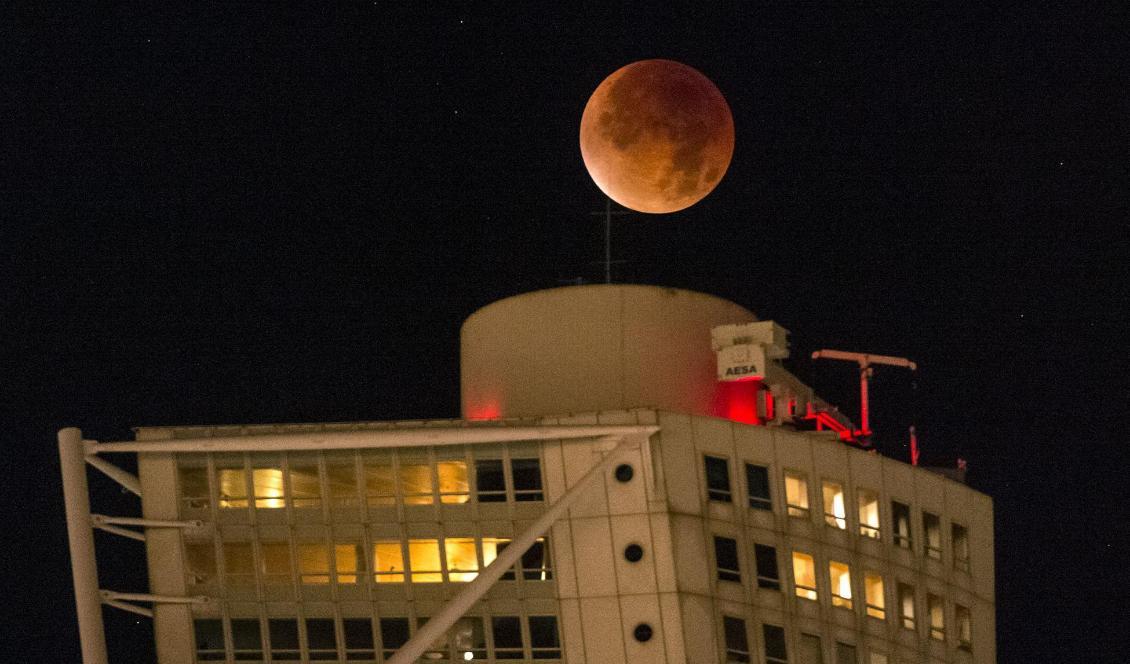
(527, 479)
(284, 638)
(320, 638)
(726, 557)
(247, 639)
(737, 643)
(757, 479)
(507, 632)
(775, 651)
(544, 642)
(932, 535)
(900, 516)
(209, 640)
(717, 479)
(535, 562)
(358, 638)
(768, 576)
(394, 634)
(960, 538)
(490, 483)
(845, 654)
(811, 651)
(468, 639)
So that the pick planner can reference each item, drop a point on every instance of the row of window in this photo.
(841, 586)
(811, 649)
(355, 639)
(425, 560)
(347, 481)
(718, 488)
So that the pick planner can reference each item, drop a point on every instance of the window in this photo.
(775, 651)
(876, 601)
(490, 484)
(804, 575)
(305, 486)
(840, 576)
(358, 638)
(737, 643)
(394, 634)
(380, 483)
(869, 513)
(424, 561)
(534, 565)
(454, 486)
(717, 479)
(194, 487)
(462, 560)
(878, 658)
(239, 564)
(900, 516)
(936, 609)
(388, 562)
(726, 558)
(209, 640)
(835, 513)
(313, 563)
(341, 478)
(544, 640)
(960, 537)
(247, 639)
(526, 474)
(811, 652)
(200, 562)
(845, 654)
(284, 638)
(757, 482)
(416, 483)
(796, 493)
(267, 485)
(964, 627)
(468, 639)
(906, 605)
(320, 638)
(932, 533)
(348, 561)
(275, 563)
(507, 632)
(231, 482)
(768, 576)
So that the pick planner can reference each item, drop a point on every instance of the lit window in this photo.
(960, 537)
(840, 575)
(869, 513)
(876, 600)
(200, 562)
(394, 634)
(757, 482)
(835, 513)
(283, 633)
(811, 651)
(380, 484)
(209, 640)
(936, 609)
(545, 643)
(416, 483)
(932, 531)
(462, 560)
(231, 482)
(358, 634)
(348, 561)
(247, 639)
(796, 493)
(726, 558)
(964, 627)
(267, 483)
(768, 576)
(534, 563)
(845, 654)
(717, 479)
(305, 486)
(526, 474)
(388, 562)
(490, 483)
(194, 487)
(775, 651)
(492, 546)
(906, 605)
(424, 561)
(900, 516)
(507, 632)
(341, 478)
(454, 486)
(737, 642)
(276, 563)
(321, 639)
(239, 563)
(313, 563)
(804, 575)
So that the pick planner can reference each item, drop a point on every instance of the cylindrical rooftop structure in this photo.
(591, 348)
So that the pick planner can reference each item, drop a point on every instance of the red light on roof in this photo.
(736, 400)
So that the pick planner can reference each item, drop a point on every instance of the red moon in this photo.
(657, 136)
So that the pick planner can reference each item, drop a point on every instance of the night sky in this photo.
(263, 215)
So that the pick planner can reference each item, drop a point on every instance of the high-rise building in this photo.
(636, 478)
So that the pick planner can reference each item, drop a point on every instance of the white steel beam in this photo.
(127, 480)
(156, 599)
(123, 532)
(147, 523)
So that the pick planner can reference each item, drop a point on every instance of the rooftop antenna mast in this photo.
(866, 370)
(608, 212)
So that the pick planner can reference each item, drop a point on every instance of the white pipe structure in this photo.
(455, 609)
(127, 480)
(80, 538)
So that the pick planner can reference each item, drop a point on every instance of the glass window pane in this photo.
(835, 512)
(313, 563)
(468, 639)
(341, 478)
(358, 637)
(811, 651)
(454, 486)
(416, 482)
(796, 493)
(964, 626)
(305, 486)
(717, 479)
(737, 642)
(321, 639)
(209, 639)
(932, 530)
(490, 484)
(900, 516)
(388, 562)
(492, 546)
(348, 562)
(845, 654)
(276, 562)
(380, 487)
(424, 559)
(232, 485)
(775, 650)
(906, 605)
(267, 483)
(804, 575)
(193, 487)
(544, 640)
(757, 479)
(726, 557)
(239, 563)
(462, 560)
(535, 562)
(869, 513)
(937, 611)
(876, 602)
(840, 576)
(246, 638)
(507, 633)
(527, 479)
(394, 634)
(960, 546)
(768, 575)
(200, 562)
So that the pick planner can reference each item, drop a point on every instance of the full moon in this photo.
(657, 136)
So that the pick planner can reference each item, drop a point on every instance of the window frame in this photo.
(737, 653)
(866, 529)
(759, 502)
(795, 510)
(715, 494)
(725, 573)
(832, 520)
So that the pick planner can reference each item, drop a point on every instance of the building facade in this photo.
(651, 514)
